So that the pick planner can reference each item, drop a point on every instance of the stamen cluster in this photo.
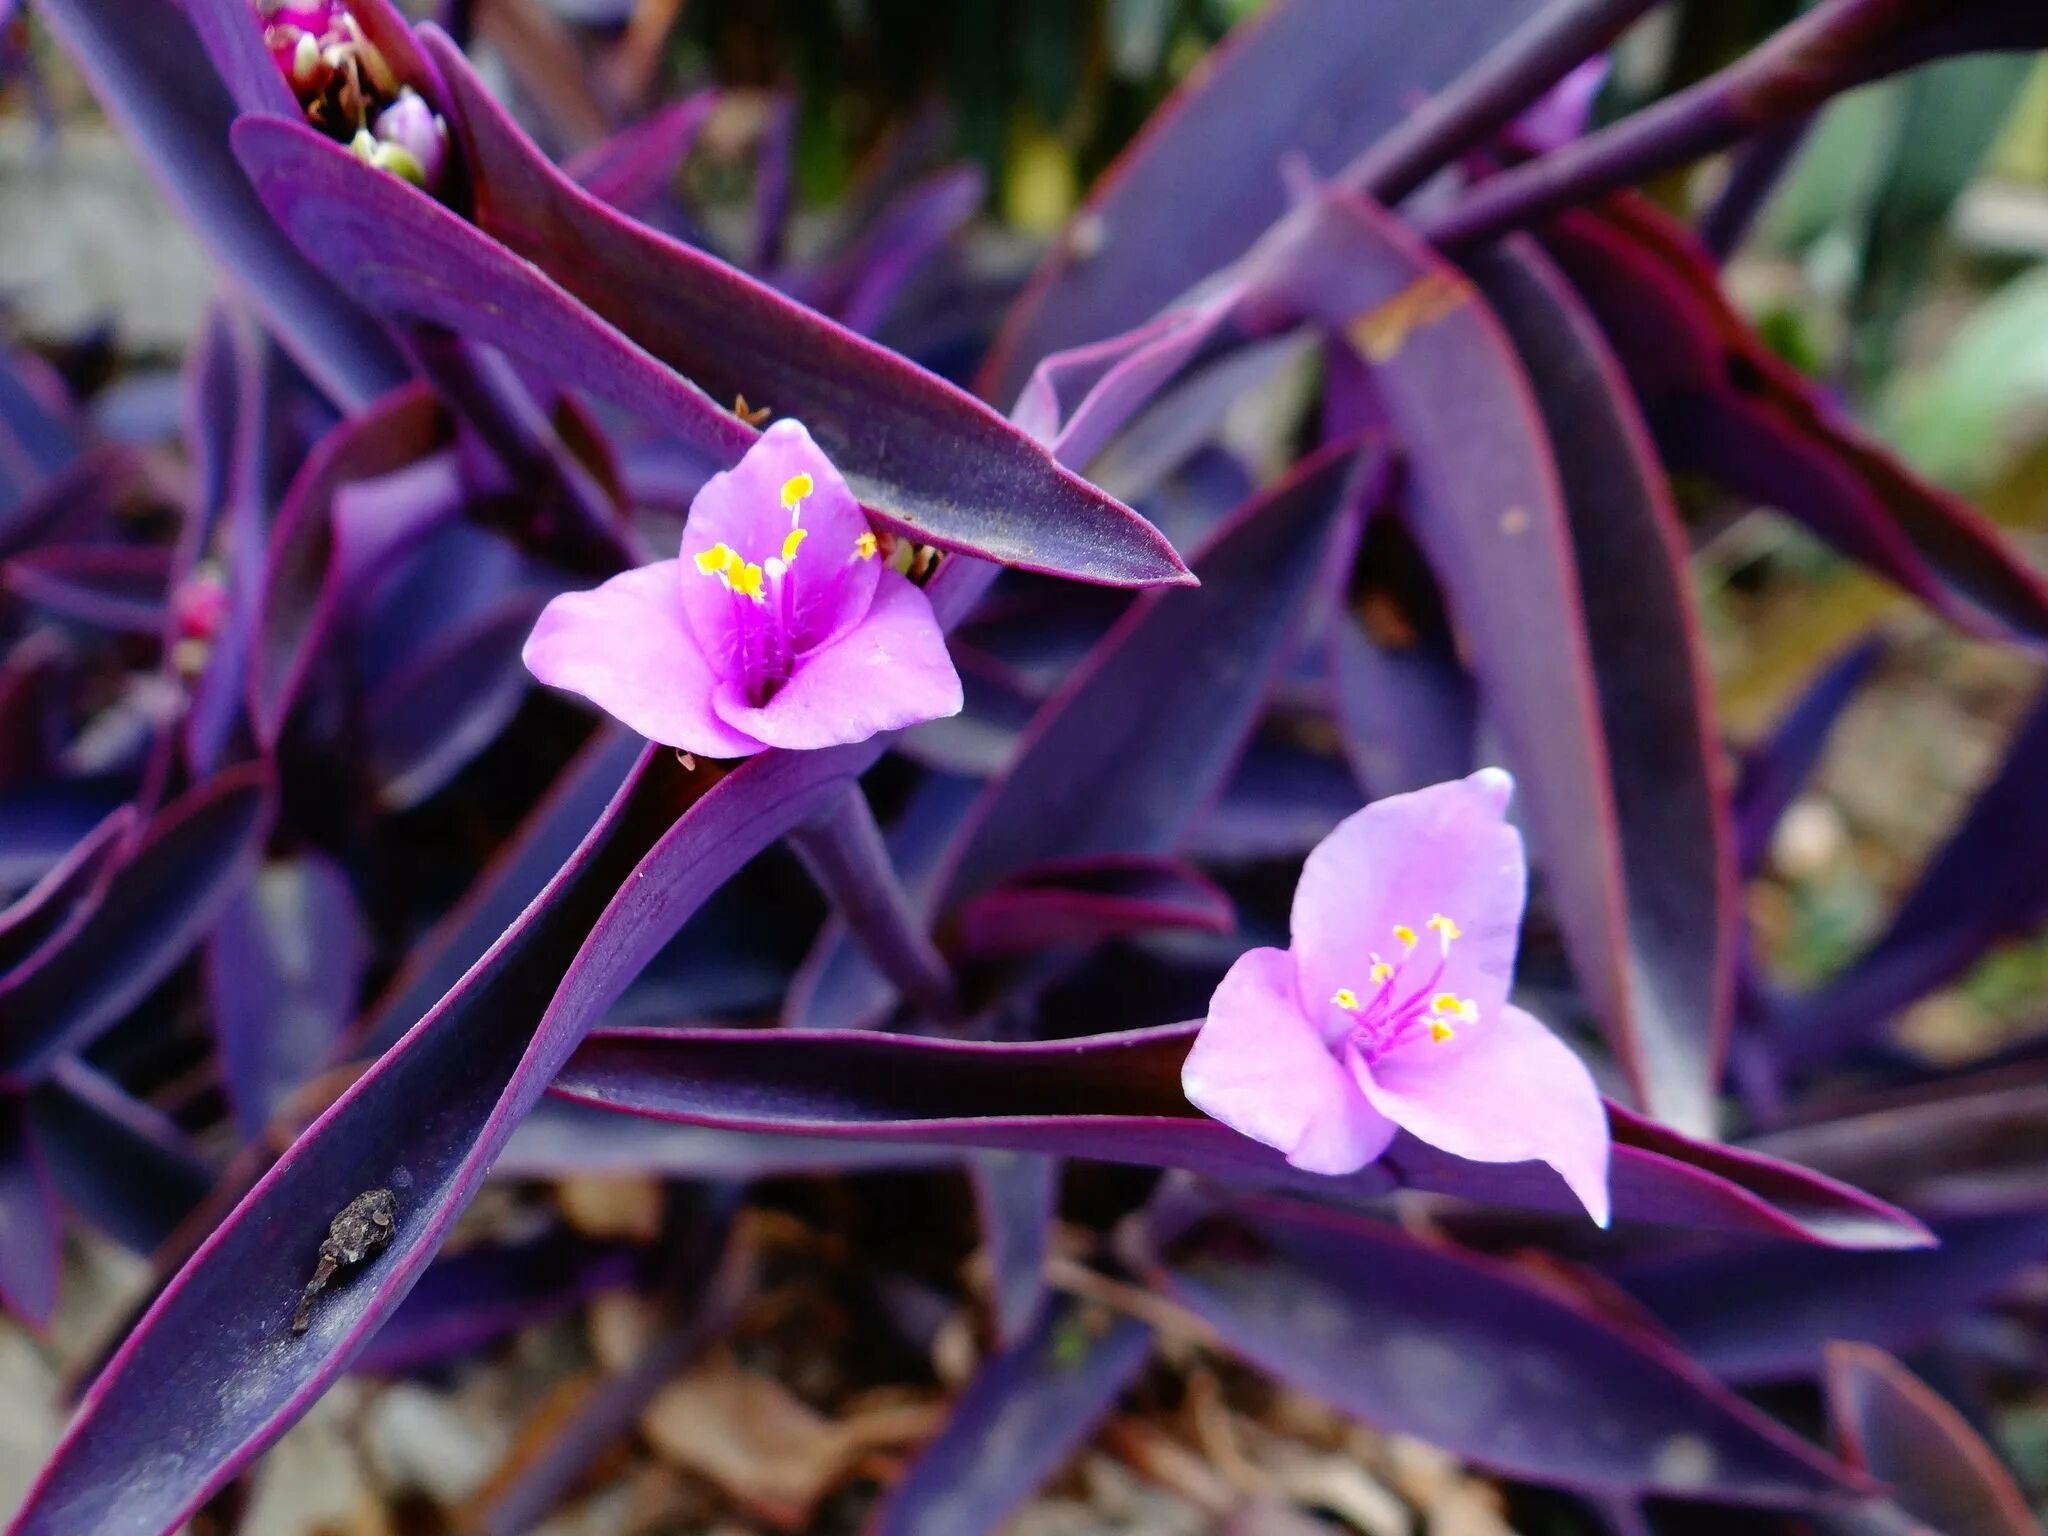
(349, 90)
(1390, 1012)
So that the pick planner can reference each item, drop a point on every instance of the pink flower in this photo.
(778, 626)
(1389, 1010)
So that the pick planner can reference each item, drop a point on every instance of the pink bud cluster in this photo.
(350, 92)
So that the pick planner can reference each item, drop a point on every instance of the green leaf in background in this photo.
(1955, 422)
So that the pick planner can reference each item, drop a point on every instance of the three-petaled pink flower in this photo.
(1389, 1011)
(778, 626)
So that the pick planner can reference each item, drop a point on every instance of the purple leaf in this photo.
(1767, 1313)
(448, 702)
(1777, 768)
(1649, 667)
(1889, 1423)
(312, 557)
(634, 167)
(1723, 406)
(1470, 1355)
(924, 455)
(120, 587)
(284, 965)
(1313, 81)
(1144, 735)
(1075, 903)
(28, 1220)
(1023, 1413)
(904, 236)
(1118, 1098)
(117, 1162)
(426, 1121)
(1407, 716)
(464, 1302)
(43, 915)
(1990, 879)
(73, 502)
(152, 75)
(196, 853)
(1017, 1195)
(1281, 803)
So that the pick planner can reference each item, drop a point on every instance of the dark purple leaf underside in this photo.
(1310, 83)
(28, 1220)
(1649, 667)
(1777, 768)
(1469, 1355)
(1988, 882)
(1022, 1414)
(1143, 735)
(923, 453)
(426, 1122)
(1892, 1425)
(153, 76)
(1118, 1098)
(1723, 406)
(195, 855)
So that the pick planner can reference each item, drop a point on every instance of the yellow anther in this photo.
(1444, 1002)
(793, 542)
(865, 546)
(795, 489)
(717, 560)
(1382, 972)
(1439, 1032)
(1346, 999)
(1446, 928)
(1405, 934)
(747, 582)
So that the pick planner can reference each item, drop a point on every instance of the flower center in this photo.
(1399, 1002)
(765, 650)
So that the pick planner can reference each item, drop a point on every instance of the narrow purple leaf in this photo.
(1767, 1313)
(1145, 734)
(1889, 1423)
(43, 821)
(56, 904)
(1281, 802)
(284, 967)
(1017, 1195)
(196, 853)
(74, 502)
(1309, 81)
(232, 32)
(1407, 716)
(1024, 1412)
(29, 1234)
(448, 702)
(1649, 667)
(153, 76)
(906, 235)
(38, 424)
(1777, 768)
(1118, 1098)
(120, 587)
(633, 167)
(1989, 881)
(213, 398)
(426, 1121)
(922, 453)
(117, 1162)
(559, 1139)
(1725, 407)
(1070, 903)
(465, 1301)
(1471, 1355)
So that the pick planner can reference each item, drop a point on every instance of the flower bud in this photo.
(411, 128)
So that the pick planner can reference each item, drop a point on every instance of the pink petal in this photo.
(1262, 1069)
(743, 508)
(625, 648)
(1446, 849)
(1506, 1090)
(889, 671)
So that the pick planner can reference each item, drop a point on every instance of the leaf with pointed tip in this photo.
(196, 853)
(1889, 1423)
(1777, 768)
(1022, 1414)
(426, 1121)
(151, 73)
(1476, 1357)
(1649, 667)
(1724, 406)
(29, 1234)
(1118, 1098)
(1067, 903)
(634, 166)
(1310, 83)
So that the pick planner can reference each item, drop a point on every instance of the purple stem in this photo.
(1528, 62)
(845, 854)
(1758, 168)
(1832, 48)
